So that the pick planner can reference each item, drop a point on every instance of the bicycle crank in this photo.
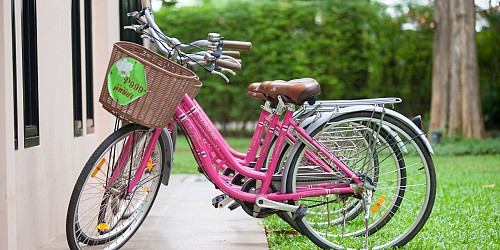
(255, 209)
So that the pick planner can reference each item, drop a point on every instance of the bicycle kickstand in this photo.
(367, 198)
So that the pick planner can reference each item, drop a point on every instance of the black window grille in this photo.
(14, 71)
(89, 73)
(30, 75)
(79, 63)
(77, 67)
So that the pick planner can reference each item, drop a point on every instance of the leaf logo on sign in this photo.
(127, 81)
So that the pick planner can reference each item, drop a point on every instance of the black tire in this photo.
(405, 178)
(97, 216)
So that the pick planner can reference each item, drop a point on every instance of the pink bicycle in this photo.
(346, 174)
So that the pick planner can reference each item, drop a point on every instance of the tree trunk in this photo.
(455, 104)
(440, 67)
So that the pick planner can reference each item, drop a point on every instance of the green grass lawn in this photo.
(466, 213)
(184, 162)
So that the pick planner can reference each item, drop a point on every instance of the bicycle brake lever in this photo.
(137, 28)
(221, 75)
(138, 16)
(134, 14)
(130, 27)
(228, 70)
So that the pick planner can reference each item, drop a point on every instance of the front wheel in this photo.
(402, 175)
(103, 214)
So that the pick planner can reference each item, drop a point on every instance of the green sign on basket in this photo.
(127, 81)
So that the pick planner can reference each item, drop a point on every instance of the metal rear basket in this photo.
(167, 82)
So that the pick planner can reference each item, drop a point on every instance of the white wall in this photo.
(5, 126)
(36, 183)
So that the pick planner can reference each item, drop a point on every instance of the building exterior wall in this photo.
(36, 182)
(4, 154)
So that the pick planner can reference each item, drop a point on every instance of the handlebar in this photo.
(210, 55)
(233, 54)
(228, 65)
(236, 45)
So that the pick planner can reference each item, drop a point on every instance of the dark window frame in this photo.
(14, 72)
(89, 71)
(79, 61)
(77, 68)
(30, 74)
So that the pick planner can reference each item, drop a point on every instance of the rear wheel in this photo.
(331, 141)
(107, 216)
(352, 209)
(394, 159)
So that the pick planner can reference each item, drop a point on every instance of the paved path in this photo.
(184, 218)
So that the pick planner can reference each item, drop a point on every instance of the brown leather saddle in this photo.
(295, 91)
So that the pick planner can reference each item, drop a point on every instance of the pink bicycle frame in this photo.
(212, 150)
(259, 131)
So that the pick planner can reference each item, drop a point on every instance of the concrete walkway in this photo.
(183, 217)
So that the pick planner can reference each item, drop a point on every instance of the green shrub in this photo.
(461, 146)
(353, 48)
(356, 50)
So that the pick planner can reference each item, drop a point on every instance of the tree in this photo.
(455, 104)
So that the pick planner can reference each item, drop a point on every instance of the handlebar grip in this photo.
(234, 54)
(228, 65)
(236, 45)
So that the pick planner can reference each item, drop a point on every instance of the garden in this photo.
(355, 49)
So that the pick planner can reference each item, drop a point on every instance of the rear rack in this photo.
(334, 105)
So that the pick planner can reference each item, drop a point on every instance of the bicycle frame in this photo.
(263, 122)
(199, 130)
(213, 154)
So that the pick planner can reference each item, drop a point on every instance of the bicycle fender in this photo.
(308, 121)
(169, 156)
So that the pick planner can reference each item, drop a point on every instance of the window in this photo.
(89, 76)
(14, 73)
(77, 68)
(127, 6)
(78, 121)
(30, 75)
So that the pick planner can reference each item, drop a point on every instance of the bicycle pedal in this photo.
(234, 206)
(221, 201)
(300, 213)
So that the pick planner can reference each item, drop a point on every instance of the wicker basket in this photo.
(192, 92)
(167, 83)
